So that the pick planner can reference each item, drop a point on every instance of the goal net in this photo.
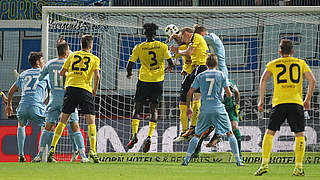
(250, 35)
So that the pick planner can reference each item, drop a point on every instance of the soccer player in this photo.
(4, 97)
(212, 110)
(216, 47)
(31, 106)
(82, 67)
(186, 70)
(287, 102)
(233, 109)
(150, 84)
(54, 107)
(197, 50)
(232, 105)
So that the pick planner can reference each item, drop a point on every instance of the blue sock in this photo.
(71, 136)
(21, 137)
(43, 142)
(80, 142)
(191, 148)
(234, 147)
(50, 137)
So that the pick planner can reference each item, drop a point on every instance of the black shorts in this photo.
(188, 80)
(148, 91)
(75, 97)
(292, 112)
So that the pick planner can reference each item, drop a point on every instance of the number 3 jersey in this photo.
(80, 66)
(52, 71)
(32, 90)
(211, 82)
(287, 75)
(152, 55)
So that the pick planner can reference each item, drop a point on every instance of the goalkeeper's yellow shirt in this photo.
(186, 67)
(1, 93)
(152, 56)
(80, 66)
(200, 54)
(287, 75)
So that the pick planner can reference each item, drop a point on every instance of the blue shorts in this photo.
(217, 118)
(53, 113)
(27, 112)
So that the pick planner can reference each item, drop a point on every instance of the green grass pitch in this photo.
(149, 170)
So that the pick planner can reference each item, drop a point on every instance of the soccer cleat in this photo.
(216, 138)
(239, 163)
(37, 159)
(179, 138)
(298, 172)
(262, 170)
(188, 134)
(94, 156)
(207, 132)
(51, 155)
(185, 163)
(85, 160)
(22, 158)
(75, 155)
(132, 142)
(147, 144)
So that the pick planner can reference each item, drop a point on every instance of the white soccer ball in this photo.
(171, 29)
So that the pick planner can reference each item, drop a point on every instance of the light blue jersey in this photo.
(211, 83)
(33, 89)
(52, 68)
(215, 46)
(31, 106)
(52, 71)
(212, 111)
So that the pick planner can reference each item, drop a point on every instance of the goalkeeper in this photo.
(232, 106)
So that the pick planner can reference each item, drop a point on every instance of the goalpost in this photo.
(250, 35)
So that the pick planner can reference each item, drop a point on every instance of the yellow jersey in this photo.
(80, 66)
(152, 57)
(200, 54)
(186, 67)
(287, 75)
(1, 93)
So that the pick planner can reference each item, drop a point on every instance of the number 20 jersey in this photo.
(152, 57)
(80, 66)
(287, 79)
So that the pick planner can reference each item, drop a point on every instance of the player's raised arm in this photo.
(262, 89)
(311, 85)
